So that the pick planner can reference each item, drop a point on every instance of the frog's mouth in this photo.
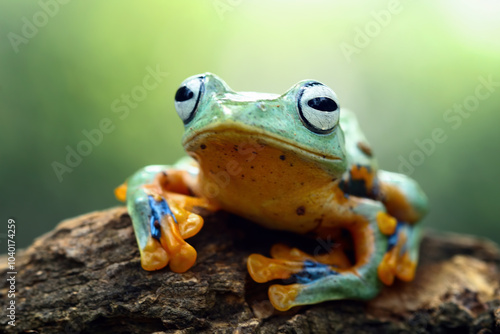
(248, 138)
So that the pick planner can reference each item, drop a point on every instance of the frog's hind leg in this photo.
(402, 197)
(404, 200)
(313, 281)
(159, 201)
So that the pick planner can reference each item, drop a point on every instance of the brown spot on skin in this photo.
(363, 147)
(157, 224)
(282, 157)
(301, 210)
(203, 146)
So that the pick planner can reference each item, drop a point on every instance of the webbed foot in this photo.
(307, 282)
(166, 243)
(300, 270)
(401, 257)
(160, 204)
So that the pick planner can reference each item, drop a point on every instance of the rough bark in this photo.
(85, 277)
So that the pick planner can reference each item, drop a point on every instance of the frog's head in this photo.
(302, 124)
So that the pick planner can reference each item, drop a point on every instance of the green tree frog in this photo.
(293, 162)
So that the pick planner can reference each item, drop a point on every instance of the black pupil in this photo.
(183, 94)
(323, 104)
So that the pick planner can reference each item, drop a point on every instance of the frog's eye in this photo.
(318, 108)
(187, 98)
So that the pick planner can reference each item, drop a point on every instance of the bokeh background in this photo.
(65, 66)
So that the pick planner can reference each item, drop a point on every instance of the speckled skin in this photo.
(253, 155)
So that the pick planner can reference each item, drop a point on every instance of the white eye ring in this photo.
(188, 96)
(318, 107)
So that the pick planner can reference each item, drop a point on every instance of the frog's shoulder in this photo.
(348, 120)
(187, 164)
(357, 146)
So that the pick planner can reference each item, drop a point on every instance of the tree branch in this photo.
(85, 277)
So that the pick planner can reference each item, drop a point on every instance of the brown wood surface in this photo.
(85, 277)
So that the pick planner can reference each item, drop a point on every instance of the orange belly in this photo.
(255, 178)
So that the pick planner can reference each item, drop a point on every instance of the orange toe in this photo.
(153, 256)
(283, 296)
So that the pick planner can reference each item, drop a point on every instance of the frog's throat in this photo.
(191, 143)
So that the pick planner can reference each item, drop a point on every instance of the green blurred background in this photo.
(61, 76)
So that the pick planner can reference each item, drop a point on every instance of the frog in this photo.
(295, 162)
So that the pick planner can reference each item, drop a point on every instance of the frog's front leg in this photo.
(314, 280)
(159, 201)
